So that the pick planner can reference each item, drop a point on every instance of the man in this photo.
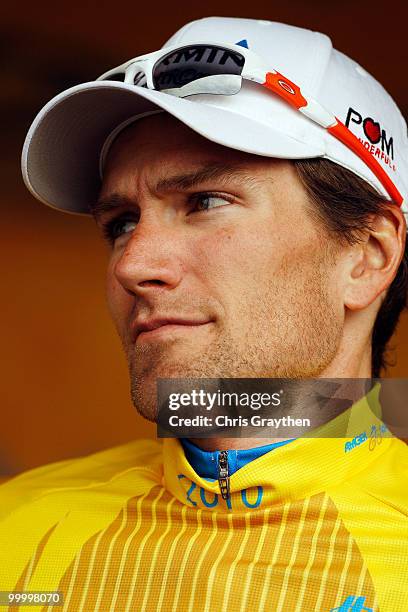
(228, 259)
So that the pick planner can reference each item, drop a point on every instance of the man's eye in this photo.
(116, 227)
(201, 202)
(207, 201)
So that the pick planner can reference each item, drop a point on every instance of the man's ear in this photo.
(374, 261)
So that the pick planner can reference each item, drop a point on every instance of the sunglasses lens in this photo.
(188, 64)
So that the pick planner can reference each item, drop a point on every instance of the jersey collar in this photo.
(294, 471)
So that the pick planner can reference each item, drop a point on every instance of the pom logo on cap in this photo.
(373, 135)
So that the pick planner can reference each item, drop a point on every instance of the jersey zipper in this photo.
(223, 476)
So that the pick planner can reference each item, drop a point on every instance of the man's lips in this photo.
(148, 328)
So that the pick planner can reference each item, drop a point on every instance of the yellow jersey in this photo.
(319, 524)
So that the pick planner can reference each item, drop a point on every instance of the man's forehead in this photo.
(160, 131)
(163, 139)
(168, 153)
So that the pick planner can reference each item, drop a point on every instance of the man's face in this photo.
(221, 242)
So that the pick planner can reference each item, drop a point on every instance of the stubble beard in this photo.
(289, 330)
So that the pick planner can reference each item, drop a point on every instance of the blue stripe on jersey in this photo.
(205, 463)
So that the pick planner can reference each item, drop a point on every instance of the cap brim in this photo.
(60, 159)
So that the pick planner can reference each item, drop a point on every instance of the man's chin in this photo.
(144, 381)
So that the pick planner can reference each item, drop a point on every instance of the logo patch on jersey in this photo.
(373, 137)
(356, 441)
(353, 604)
(243, 43)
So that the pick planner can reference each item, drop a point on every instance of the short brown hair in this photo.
(345, 204)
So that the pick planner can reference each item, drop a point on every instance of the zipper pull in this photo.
(223, 478)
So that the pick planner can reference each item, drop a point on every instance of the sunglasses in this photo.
(210, 68)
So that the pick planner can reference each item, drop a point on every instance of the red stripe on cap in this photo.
(346, 136)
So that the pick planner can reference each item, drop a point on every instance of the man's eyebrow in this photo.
(105, 205)
(181, 182)
(211, 171)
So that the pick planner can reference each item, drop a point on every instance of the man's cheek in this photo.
(119, 302)
(214, 260)
(228, 245)
(251, 255)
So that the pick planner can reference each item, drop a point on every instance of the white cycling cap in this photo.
(67, 143)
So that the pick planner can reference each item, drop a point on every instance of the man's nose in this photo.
(151, 259)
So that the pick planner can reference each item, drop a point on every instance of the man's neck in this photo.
(349, 389)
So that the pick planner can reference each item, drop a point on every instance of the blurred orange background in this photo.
(65, 389)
